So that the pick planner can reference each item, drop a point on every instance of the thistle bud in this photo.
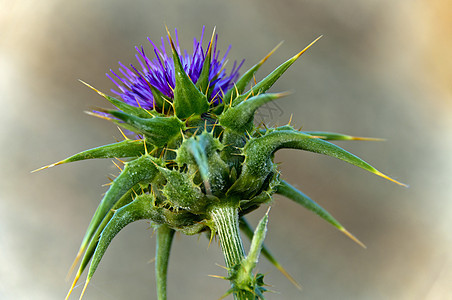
(194, 159)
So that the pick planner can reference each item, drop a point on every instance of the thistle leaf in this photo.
(299, 197)
(188, 99)
(141, 208)
(139, 170)
(126, 148)
(159, 131)
(245, 79)
(258, 153)
(268, 81)
(240, 117)
(163, 247)
(126, 199)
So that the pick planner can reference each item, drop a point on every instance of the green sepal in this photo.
(203, 80)
(162, 251)
(136, 171)
(183, 221)
(139, 209)
(129, 109)
(265, 195)
(181, 192)
(231, 153)
(201, 144)
(240, 118)
(266, 83)
(159, 131)
(188, 99)
(162, 102)
(200, 153)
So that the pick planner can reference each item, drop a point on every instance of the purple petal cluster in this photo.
(134, 85)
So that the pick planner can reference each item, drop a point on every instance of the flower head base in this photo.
(199, 163)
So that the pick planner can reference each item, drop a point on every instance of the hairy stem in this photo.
(227, 226)
(163, 247)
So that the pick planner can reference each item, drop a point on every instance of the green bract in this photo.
(201, 166)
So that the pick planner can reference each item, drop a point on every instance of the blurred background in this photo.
(382, 69)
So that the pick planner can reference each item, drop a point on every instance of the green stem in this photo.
(227, 226)
(163, 246)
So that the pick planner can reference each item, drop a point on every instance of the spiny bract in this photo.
(196, 162)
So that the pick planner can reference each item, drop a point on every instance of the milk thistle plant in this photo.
(195, 162)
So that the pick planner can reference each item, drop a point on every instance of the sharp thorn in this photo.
(270, 53)
(352, 237)
(307, 47)
(48, 166)
(84, 289)
(390, 179)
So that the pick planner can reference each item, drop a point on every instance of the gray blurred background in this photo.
(382, 69)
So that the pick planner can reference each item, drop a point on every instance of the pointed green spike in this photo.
(229, 292)
(324, 135)
(163, 247)
(333, 136)
(246, 78)
(188, 99)
(126, 148)
(249, 232)
(139, 170)
(258, 152)
(126, 199)
(193, 151)
(159, 131)
(240, 118)
(141, 208)
(201, 151)
(160, 100)
(268, 81)
(203, 80)
(299, 197)
(121, 105)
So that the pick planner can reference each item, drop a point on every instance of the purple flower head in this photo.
(134, 85)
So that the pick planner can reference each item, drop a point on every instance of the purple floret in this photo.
(159, 72)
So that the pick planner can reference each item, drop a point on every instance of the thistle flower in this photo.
(136, 87)
(197, 163)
